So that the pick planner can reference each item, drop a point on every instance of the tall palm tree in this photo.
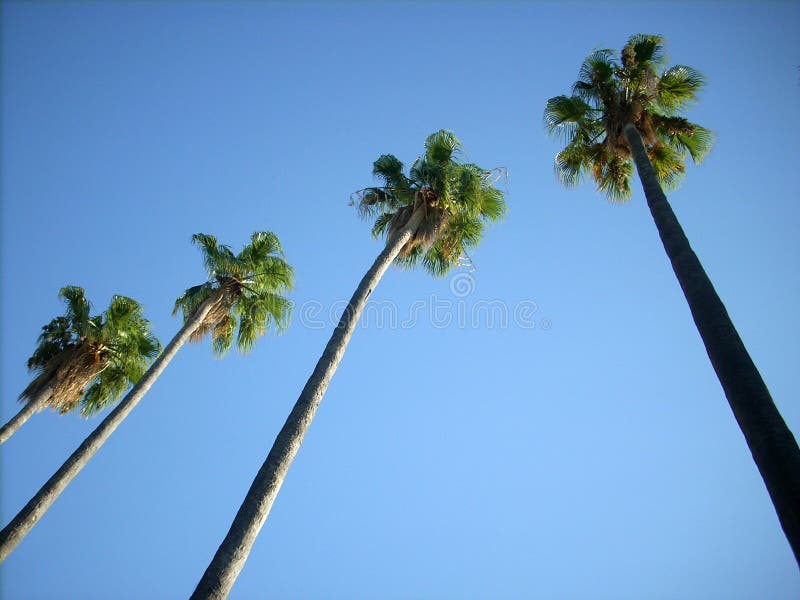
(432, 216)
(240, 300)
(86, 361)
(624, 111)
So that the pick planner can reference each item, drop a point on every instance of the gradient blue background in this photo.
(593, 456)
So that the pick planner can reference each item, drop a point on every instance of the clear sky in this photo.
(582, 449)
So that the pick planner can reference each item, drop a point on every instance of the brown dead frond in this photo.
(69, 373)
(431, 226)
(227, 293)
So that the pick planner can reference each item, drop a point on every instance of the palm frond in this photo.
(570, 116)
(78, 308)
(218, 259)
(668, 165)
(55, 338)
(222, 335)
(677, 88)
(262, 244)
(647, 49)
(441, 147)
(595, 76)
(191, 299)
(389, 170)
(613, 176)
(382, 224)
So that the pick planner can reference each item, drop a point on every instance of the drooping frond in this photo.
(613, 176)
(668, 165)
(381, 224)
(191, 299)
(685, 136)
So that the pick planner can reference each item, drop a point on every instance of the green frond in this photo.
(222, 336)
(191, 299)
(463, 232)
(271, 273)
(409, 260)
(257, 313)
(574, 160)
(613, 178)
(677, 88)
(668, 165)
(78, 308)
(373, 201)
(106, 389)
(492, 203)
(381, 225)
(647, 49)
(389, 170)
(685, 136)
(440, 147)
(218, 259)
(56, 336)
(442, 257)
(596, 75)
(566, 116)
(262, 244)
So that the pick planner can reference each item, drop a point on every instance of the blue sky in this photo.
(589, 454)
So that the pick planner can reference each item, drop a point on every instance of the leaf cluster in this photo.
(612, 92)
(245, 288)
(458, 198)
(94, 357)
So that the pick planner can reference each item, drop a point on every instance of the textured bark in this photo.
(771, 443)
(229, 559)
(32, 406)
(13, 533)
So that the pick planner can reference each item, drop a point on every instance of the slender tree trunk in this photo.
(13, 533)
(32, 406)
(772, 444)
(229, 559)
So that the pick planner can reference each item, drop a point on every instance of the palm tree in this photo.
(622, 111)
(86, 361)
(432, 216)
(240, 300)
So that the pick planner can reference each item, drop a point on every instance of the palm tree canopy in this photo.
(91, 360)
(459, 199)
(250, 285)
(611, 93)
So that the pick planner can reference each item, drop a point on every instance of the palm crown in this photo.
(249, 287)
(610, 94)
(458, 199)
(91, 360)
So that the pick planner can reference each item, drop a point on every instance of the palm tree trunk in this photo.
(771, 442)
(13, 533)
(32, 406)
(229, 559)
